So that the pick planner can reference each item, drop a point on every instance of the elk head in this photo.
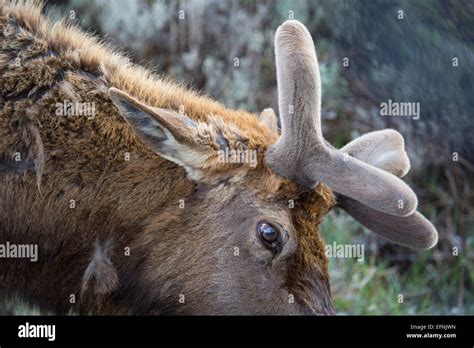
(247, 241)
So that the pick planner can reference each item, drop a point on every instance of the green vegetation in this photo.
(428, 284)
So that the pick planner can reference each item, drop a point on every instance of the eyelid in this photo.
(273, 223)
(283, 232)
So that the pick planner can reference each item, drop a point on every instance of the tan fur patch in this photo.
(310, 259)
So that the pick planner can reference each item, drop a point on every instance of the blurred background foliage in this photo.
(225, 49)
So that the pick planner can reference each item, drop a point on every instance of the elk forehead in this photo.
(307, 209)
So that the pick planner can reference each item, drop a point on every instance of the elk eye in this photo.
(268, 235)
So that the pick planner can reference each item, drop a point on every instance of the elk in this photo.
(133, 209)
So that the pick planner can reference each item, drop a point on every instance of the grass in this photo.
(373, 286)
(16, 306)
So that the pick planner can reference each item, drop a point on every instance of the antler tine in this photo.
(385, 149)
(413, 231)
(299, 98)
(298, 78)
(301, 153)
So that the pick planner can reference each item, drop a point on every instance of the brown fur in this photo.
(136, 203)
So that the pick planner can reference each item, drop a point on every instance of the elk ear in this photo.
(269, 119)
(168, 133)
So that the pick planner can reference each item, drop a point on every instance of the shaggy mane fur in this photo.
(88, 53)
